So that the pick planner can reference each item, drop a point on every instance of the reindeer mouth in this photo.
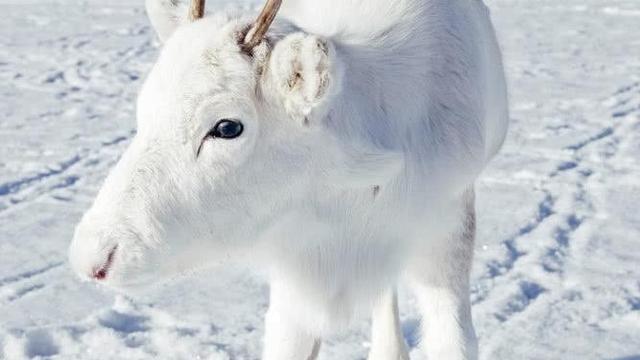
(100, 273)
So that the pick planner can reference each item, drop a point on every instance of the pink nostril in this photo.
(101, 272)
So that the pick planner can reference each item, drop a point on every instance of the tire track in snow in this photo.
(545, 210)
(15, 287)
(553, 259)
(30, 274)
(24, 291)
(13, 187)
(604, 145)
(502, 268)
(608, 131)
(57, 177)
(74, 77)
(64, 174)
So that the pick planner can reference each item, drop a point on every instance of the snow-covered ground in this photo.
(557, 271)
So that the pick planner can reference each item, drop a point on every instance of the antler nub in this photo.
(260, 27)
(196, 11)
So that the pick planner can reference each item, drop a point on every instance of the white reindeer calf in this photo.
(337, 150)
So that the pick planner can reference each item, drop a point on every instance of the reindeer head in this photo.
(232, 134)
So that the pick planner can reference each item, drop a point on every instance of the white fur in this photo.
(350, 175)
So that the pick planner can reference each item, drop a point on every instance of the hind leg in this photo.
(440, 280)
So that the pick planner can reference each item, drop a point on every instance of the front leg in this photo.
(387, 342)
(440, 279)
(305, 72)
(284, 338)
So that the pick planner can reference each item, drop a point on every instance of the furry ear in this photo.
(166, 16)
(364, 166)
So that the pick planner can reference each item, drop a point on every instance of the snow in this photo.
(557, 271)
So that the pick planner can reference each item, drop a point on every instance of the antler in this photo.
(262, 23)
(259, 28)
(197, 10)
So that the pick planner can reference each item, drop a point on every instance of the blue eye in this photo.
(227, 129)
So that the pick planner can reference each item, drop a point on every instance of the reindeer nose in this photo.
(100, 272)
